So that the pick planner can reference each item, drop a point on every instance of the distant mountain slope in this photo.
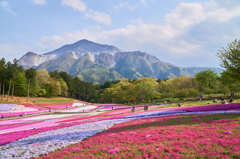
(32, 59)
(99, 63)
(139, 64)
(191, 71)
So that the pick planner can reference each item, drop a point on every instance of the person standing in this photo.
(133, 109)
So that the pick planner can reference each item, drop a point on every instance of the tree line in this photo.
(15, 81)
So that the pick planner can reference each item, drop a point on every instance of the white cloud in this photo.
(223, 15)
(185, 15)
(39, 2)
(80, 6)
(77, 5)
(48, 43)
(132, 35)
(188, 14)
(169, 37)
(99, 17)
(5, 5)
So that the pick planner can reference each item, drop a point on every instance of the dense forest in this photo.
(15, 81)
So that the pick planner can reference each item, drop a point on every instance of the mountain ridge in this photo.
(98, 63)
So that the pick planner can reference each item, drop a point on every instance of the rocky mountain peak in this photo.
(83, 47)
(31, 54)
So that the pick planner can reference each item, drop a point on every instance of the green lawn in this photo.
(53, 100)
(6, 102)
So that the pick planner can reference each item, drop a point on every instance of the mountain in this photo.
(99, 63)
(191, 71)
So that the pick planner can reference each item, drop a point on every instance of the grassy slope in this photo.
(21, 100)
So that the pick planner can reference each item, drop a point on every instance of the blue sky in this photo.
(181, 32)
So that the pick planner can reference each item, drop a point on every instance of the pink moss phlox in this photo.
(115, 150)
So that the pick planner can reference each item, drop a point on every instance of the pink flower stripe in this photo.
(4, 127)
(35, 125)
(116, 107)
(59, 106)
(85, 102)
(48, 104)
(103, 115)
(54, 106)
(33, 106)
(4, 115)
(194, 136)
(15, 121)
(40, 110)
(13, 136)
(75, 121)
(124, 113)
(40, 126)
(212, 107)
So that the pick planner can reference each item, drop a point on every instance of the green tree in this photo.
(43, 80)
(230, 59)
(207, 80)
(20, 83)
(42, 77)
(146, 90)
(2, 74)
(121, 92)
(31, 75)
(53, 88)
(12, 72)
(178, 87)
(229, 84)
(64, 87)
(107, 96)
(68, 80)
